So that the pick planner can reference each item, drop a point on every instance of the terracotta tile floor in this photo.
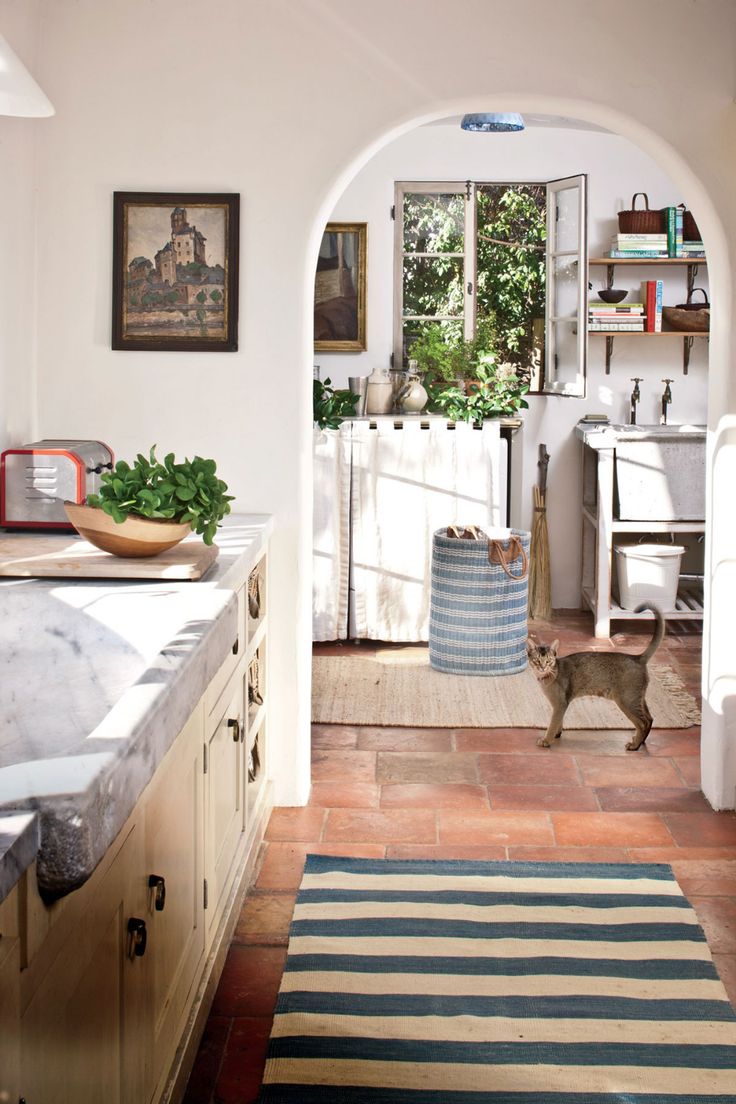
(479, 794)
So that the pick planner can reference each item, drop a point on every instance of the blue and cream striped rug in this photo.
(506, 982)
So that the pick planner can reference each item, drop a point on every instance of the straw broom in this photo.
(539, 570)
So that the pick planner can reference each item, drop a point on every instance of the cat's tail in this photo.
(657, 636)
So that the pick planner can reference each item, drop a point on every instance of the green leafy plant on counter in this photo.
(186, 492)
(496, 390)
(331, 404)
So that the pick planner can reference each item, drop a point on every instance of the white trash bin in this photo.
(648, 573)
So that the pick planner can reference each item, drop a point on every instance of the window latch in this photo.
(470, 287)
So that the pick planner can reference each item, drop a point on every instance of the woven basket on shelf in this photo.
(689, 316)
(690, 230)
(640, 221)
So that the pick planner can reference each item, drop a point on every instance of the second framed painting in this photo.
(339, 289)
(175, 271)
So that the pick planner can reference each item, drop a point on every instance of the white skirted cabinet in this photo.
(382, 488)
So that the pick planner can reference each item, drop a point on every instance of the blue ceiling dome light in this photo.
(488, 122)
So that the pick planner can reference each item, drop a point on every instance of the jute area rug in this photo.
(398, 687)
(457, 982)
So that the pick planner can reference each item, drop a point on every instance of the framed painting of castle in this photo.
(175, 271)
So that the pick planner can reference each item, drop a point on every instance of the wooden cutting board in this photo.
(65, 556)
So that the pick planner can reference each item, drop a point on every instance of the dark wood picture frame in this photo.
(185, 296)
(340, 289)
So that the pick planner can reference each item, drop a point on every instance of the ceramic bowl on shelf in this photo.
(613, 295)
(136, 536)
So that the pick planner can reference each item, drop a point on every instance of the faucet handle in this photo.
(665, 380)
(636, 379)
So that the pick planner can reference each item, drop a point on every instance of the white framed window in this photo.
(465, 250)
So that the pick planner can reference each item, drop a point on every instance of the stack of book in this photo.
(613, 318)
(652, 296)
(639, 245)
(693, 249)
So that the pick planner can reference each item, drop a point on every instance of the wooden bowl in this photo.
(136, 536)
(612, 295)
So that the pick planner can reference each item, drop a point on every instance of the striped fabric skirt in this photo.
(453, 982)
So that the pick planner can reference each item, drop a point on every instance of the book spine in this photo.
(616, 327)
(651, 301)
(671, 220)
(658, 297)
(640, 237)
(678, 231)
(653, 253)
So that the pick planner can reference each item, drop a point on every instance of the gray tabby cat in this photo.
(619, 676)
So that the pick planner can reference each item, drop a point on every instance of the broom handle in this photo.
(542, 465)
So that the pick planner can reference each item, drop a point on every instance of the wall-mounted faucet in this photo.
(666, 400)
(635, 397)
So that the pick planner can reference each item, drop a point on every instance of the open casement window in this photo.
(567, 284)
(464, 250)
(434, 267)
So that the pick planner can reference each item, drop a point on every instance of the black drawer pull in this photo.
(158, 885)
(137, 937)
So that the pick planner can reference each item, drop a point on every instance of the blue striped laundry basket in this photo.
(478, 611)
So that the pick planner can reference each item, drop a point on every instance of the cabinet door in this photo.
(174, 879)
(223, 797)
(9, 1003)
(84, 1034)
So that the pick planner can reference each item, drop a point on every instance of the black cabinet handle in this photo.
(234, 724)
(137, 937)
(158, 885)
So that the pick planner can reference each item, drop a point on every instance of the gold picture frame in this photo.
(340, 289)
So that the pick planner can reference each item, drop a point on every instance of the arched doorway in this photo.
(718, 769)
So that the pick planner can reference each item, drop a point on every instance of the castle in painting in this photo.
(178, 277)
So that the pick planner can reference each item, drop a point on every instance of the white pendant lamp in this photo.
(19, 93)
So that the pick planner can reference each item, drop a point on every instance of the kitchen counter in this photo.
(97, 679)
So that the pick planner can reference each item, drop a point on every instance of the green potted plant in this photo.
(443, 357)
(331, 404)
(147, 506)
(496, 390)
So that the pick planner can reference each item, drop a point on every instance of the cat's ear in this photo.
(554, 646)
(530, 646)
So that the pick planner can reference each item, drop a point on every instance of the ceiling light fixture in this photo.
(494, 121)
(19, 93)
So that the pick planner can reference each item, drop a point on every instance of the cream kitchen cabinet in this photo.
(103, 994)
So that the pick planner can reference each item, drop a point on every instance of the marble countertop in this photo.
(97, 679)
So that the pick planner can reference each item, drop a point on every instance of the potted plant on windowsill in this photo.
(146, 507)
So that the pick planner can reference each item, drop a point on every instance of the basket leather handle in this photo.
(633, 200)
(705, 296)
(506, 556)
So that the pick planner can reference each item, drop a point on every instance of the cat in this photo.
(622, 677)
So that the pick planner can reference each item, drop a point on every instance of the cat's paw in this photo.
(543, 742)
(633, 745)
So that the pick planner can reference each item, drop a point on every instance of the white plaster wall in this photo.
(616, 169)
(283, 102)
(19, 26)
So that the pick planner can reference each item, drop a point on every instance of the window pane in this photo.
(566, 347)
(511, 272)
(566, 287)
(412, 329)
(433, 286)
(568, 200)
(434, 223)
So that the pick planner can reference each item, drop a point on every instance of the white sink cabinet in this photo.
(601, 526)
